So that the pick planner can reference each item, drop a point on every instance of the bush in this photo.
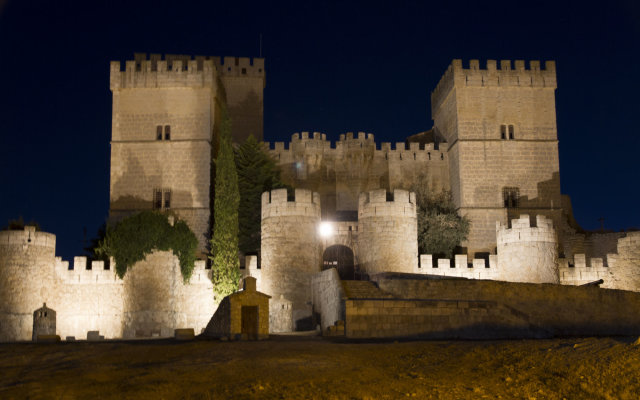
(134, 237)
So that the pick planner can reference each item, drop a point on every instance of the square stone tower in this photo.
(164, 131)
(500, 125)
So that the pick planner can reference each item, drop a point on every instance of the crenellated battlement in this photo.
(316, 144)
(583, 270)
(304, 203)
(240, 67)
(509, 74)
(376, 203)
(521, 230)
(181, 70)
(360, 136)
(83, 271)
(156, 73)
(28, 237)
(478, 268)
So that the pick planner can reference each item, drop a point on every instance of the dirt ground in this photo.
(315, 368)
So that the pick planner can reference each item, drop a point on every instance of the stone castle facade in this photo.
(493, 145)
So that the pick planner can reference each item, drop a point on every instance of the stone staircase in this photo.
(364, 290)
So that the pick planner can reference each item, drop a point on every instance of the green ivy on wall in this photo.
(131, 239)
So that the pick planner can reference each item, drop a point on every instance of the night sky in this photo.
(332, 67)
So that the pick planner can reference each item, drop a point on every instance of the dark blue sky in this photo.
(331, 67)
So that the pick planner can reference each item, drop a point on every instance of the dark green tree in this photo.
(18, 224)
(257, 173)
(225, 266)
(440, 228)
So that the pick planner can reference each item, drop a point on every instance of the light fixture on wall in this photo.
(325, 229)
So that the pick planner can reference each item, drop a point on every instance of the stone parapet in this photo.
(527, 253)
(506, 75)
(477, 268)
(276, 204)
(388, 232)
(28, 237)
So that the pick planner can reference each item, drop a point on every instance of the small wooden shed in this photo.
(242, 315)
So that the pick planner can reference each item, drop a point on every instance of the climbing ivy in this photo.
(131, 239)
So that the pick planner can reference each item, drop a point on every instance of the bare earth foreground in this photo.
(311, 367)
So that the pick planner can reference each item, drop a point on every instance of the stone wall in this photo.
(244, 82)
(527, 253)
(290, 249)
(327, 298)
(625, 265)
(554, 309)
(26, 280)
(435, 319)
(152, 93)
(152, 299)
(471, 107)
(340, 171)
(388, 232)
(584, 270)
(461, 267)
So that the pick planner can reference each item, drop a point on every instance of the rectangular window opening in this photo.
(159, 132)
(167, 132)
(157, 199)
(167, 199)
(511, 130)
(511, 196)
(503, 132)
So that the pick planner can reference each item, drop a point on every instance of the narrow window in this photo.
(503, 132)
(442, 156)
(511, 196)
(167, 132)
(244, 71)
(157, 199)
(511, 132)
(429, 155)
(167, 199)
(159, 132)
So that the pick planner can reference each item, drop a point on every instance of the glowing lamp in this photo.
(325, 229)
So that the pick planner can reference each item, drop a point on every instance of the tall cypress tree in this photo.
(257, 173)
(224, 241)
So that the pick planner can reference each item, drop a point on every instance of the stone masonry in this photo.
(151, 300)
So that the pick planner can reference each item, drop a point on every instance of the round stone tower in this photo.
(27, 260)
(387, 232)
(290, 251)
(527, 253)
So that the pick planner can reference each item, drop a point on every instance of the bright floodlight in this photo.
(325, 229)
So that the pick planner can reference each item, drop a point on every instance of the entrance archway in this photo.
(341, 258)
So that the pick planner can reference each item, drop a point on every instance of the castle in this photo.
(493, 145)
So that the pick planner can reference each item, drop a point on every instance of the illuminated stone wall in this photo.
(290, 249)
(186, 94)
(387, 232)
(553, 310)
(470, 108)
(527, 253)
(340, 171)
(152, 299)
